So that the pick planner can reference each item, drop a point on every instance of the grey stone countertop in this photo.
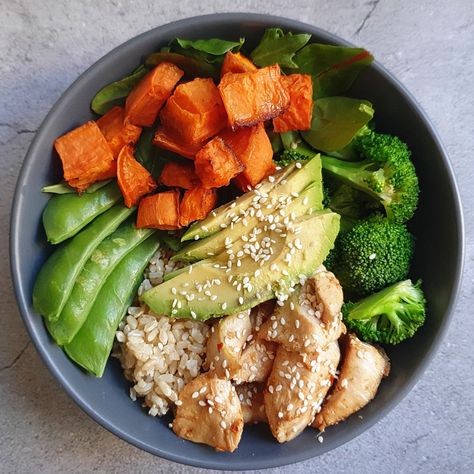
(45, 45)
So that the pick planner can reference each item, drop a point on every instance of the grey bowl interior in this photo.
(106, 399)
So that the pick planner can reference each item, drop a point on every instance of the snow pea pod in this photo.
(66, 214)
(103, 260)
(56, 278)
(91, 346)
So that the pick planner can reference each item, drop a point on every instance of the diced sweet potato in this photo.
(253, 97)
(133, 179)
(194, 112)
(196, 204)
(159, 211)
(117, 132)
(149, 95)
(85, 155)
(252, 147)
(180, 175)
(298, 114)
(216, 164)
(166, 139)
(236, 62)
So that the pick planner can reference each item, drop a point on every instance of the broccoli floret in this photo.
(350, 203)
(386, 173)
(294, 149)
(373, 254)
(389, 316)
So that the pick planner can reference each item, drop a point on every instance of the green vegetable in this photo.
(64, 188)
(103, 260)
(92, 344)
(350, 203)
(333, 68)
(66, 214)
(277, 47)
(173, 242)
(335, 122)
(147, 154)
(317, 233)
(373, 254)
(294, 149)
(57, 276)
(389, 316)
(192, 67)
(386, 174)
(212, 46)
(114, 93)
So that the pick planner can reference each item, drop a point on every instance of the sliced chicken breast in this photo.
(310, 318)
(363, 368)
(256, 362)
(296, 388)
(226, 340)
(209, 412)
(251, 400)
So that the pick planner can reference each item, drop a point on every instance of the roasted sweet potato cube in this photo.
(252, 147)
(194, 113)
(169, 141)
(298, 114)
(133, 179)
(196, 204)
(159, 211)
(216, 164)
(149, 95)
(179, 175)
(116, 131)
(253, 97)
(85, 155)
(237, 62)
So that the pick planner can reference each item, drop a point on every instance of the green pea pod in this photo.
(91, 346)
(56, 278)
(66, 214)
(103, 260)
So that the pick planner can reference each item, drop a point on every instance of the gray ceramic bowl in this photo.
(438, 255)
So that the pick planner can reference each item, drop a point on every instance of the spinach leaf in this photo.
(114, 93)
(213, 46)
(277, 47)
(191, 66)
(335, 122)
(147, 154)
(173, 242)
(64, 188)
(333, 68)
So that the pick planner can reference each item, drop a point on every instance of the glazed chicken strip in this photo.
(225, 343)
(256, 361)
(209, 411)
(251, 400)
(296, 388)
(363, 368)
(257, 355)
(310, 318)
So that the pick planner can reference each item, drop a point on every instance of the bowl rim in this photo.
(22, 295)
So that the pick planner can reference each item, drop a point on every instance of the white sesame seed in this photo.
(223, 424)
(195, 395)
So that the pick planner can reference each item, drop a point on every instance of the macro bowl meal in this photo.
(237, 231)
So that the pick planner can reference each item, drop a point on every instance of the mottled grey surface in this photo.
(45, 45)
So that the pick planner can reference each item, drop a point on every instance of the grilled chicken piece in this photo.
(225, 343)
(256, 361)
(296, 388)
(209, 411)
(310, 318)
(363, 368)
(251, 400)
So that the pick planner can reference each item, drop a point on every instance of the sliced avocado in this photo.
(310, 198)
(212, 289)
(223, 215)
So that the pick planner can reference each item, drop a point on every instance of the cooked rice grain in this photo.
(159, 355)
